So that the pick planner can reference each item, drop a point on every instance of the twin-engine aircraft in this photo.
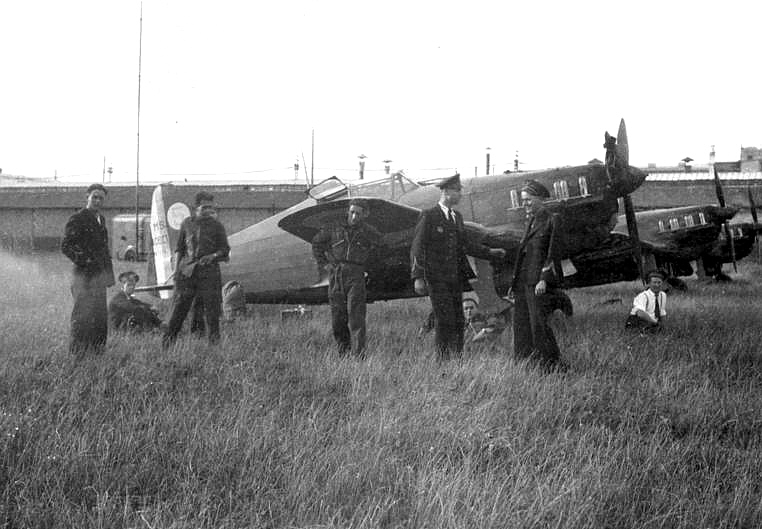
(273, 259)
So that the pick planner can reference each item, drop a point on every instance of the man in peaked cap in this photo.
(534, 280)
(343, 251)
(85, 243)
(439, 266)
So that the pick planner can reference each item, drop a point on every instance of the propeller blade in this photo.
(632, 229)
(622, 147)
(718, 188)
(752, 206)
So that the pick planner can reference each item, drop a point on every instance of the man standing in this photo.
(85, 243)
(439, 266)
(202, 243)
(125, 312)
(534, 280)
(343, 250)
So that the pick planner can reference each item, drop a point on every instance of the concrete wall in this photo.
(33, 218)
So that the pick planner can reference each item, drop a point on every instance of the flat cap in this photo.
(125, 276)
(535, 188)
(471, 296)
(452, 182)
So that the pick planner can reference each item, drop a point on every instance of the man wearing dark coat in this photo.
(202, 243)
(439, 266)
(127, 313)
(535, 283)
(85, 243)
(343, 251)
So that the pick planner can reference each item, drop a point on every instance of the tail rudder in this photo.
(166, 217)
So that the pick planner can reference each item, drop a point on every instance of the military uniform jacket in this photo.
(345, 244)
(538, 251)
(439, 248)
(85, 243)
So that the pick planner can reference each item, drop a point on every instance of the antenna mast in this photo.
(138, 246)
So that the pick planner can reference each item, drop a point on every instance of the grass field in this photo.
(272, 429)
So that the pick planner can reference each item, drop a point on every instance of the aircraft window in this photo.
(661, 226)
(702, 218)
(514, 198)
(327, 189)
(583, 186)
(689, 220)
(674, 224)
(561, 189)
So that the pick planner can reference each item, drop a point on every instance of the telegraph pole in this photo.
(137, 166)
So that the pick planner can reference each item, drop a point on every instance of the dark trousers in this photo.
(89, 317)
(532, 335)
(447, 305)
(209, 289)
(346, 293)
(634, 322)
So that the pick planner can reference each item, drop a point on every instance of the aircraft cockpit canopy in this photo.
(390, 188)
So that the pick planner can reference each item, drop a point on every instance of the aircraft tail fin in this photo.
(166, 217)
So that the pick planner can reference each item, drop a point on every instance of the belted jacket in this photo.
(342, 243)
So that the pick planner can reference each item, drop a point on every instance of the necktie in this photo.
(657, 309)
(451, 215)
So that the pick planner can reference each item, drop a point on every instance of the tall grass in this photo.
(273, 429)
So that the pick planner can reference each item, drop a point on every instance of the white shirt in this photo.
(646, 301)
(447, 211)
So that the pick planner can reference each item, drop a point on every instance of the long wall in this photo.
(33, 218)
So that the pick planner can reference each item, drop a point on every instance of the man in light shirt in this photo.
(649, 307)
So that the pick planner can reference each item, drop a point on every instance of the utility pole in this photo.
(488, 149)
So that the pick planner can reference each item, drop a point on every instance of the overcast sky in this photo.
(234, 88)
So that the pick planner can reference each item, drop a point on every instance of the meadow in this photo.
(271, 429)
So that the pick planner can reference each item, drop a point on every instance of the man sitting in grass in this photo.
(649, 307)
(126, 312)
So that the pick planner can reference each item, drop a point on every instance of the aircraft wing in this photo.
(394, 221)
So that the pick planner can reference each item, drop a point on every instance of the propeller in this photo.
(753, 209)
(726, 225)
(752, 206)
(617, 159)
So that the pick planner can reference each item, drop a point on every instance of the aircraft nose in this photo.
(631, 179)
(726, 213)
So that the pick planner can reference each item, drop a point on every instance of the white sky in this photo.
(233, 88)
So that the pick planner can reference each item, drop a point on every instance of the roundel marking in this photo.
(176, 214)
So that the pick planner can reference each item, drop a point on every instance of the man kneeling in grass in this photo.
(649, 307)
